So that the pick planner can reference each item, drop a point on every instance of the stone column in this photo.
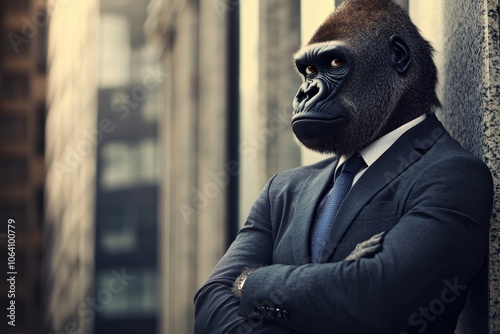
(180, 201)
(465, 36)
(279, 38)
(194, 211)
(267, 144)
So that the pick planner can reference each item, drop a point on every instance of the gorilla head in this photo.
(366, 71)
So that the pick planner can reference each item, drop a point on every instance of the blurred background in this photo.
(136, 134)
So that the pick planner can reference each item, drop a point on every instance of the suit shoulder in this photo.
(449, 149)
(448, 157)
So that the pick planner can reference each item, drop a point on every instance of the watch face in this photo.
(242, 281)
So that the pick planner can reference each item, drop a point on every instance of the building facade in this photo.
(71, 136)
(127, 171)
(100, 264)
(23, 27)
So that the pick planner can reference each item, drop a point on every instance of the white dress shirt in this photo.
(373, 151)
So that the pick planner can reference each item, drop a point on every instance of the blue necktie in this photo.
(327, 212)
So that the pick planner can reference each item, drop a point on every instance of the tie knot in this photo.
(354, 164)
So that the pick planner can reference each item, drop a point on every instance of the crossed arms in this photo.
(434, 250)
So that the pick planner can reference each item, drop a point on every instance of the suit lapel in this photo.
(303, 215)
(408, 149)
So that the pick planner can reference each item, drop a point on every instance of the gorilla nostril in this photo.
(301, 96)
(306, 93)
(311, 92)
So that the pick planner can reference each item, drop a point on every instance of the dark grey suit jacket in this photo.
(433, 199)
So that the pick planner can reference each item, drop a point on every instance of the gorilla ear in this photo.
(400, 54)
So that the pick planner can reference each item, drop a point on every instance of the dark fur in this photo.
(378, 98)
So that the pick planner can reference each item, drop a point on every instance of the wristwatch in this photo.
(242, 281)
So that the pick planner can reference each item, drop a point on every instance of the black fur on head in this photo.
(381, 93)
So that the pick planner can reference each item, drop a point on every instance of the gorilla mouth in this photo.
(308, 126)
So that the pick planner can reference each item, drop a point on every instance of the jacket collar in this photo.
(408, 149)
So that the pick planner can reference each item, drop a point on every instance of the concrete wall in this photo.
(465, 36)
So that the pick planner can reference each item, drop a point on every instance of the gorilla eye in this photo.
(310, 69)
(337, 63)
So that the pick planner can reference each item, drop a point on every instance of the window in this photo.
(17, 6)
(16, 211)
(127, 229)
(115, 52)
(41, 55)
(15, 86)
(117, 232)
(118, 239)
(150, 109)
(137, 298)
(40, 205)
(15, 43)
(13, 172)
(128, 164)
(12, 128)
(40, 130)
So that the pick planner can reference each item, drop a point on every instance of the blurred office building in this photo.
(71, 167)
(23, 26)
(127, 170)
(102, 173)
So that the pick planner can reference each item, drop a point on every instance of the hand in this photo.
(367, 248)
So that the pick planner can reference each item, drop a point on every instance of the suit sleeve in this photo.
(216, 309)
(432, 253)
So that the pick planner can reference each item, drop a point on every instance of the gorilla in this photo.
(366, 71)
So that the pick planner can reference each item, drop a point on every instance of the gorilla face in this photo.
(324, 67)
(344, 100)
(366, 71)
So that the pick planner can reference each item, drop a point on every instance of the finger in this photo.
(376, 239)
(365, 252)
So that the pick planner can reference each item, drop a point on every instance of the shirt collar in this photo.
(373, 151)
